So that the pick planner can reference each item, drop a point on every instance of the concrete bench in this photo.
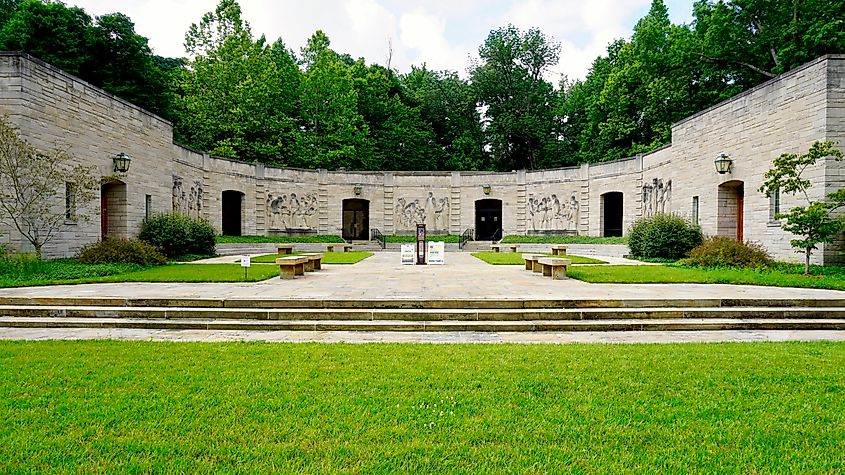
(346, 247)
(559, 250)
(498, 247)
(314, 261)
(292, 266)
(531, 262)
(554, 267)
(284, 248)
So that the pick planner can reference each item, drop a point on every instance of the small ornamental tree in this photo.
(816, 222)
(33, 185)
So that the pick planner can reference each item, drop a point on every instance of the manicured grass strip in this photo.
(26, 272)
(352, 257)
(449, 238)
(278, 239)
(140, 407)
(197, 273)
(515, 239)
(515, 258)
(782, 276)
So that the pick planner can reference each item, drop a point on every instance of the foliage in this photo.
(721, 251)
(570, 401)
(515, 258)
(518, 239)
(279, 239)
(351, 257)
(663, 235)
(817, 222)
(126, 251)
(176, 234)
(33, 185)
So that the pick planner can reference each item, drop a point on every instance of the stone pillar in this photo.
(389, 226)
(521, 202)
(455, 225)
(323, 201)
(261, 225)
(584, 202)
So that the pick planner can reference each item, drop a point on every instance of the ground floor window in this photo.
(694, 210)
(70, 201)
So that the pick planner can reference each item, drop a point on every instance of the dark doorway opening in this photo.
(488, 220)
(612, 214)
(113, 210)
(232, 212)
(356, 219)
(731, 208)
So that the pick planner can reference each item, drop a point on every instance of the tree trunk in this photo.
(807, 252)
(38, 251)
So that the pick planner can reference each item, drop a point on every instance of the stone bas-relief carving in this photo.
(657, 197)
(433, 212)
(549, 213)
(187, 202)
(289, 211)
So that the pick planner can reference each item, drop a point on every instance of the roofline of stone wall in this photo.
(756, 88)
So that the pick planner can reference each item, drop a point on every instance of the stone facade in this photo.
(53, 109)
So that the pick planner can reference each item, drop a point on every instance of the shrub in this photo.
(175, 234)
(663, 235)
(720, 251)
(122, 251)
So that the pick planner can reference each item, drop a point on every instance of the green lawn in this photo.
(278, 239)
(783, 275)
(352, 257)
(514, 258)
(395, 239)
(140, 407)
(515, 239)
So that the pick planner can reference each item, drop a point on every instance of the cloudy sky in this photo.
(444, 34)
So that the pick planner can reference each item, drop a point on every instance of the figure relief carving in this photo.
(289, 211)
(187, 202)
(549, 213)
(657, 197)
(433, 212)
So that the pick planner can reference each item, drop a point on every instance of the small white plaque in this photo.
(436, 252)
(407, 253)
(245, 261)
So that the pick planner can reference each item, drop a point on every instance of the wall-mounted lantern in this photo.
(121, 162)
(723, 163)
(486, 189)
(357, 188)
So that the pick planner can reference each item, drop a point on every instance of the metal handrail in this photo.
(378, 236)
(467, 235)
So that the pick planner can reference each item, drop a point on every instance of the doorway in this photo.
(113, 210)
(612, 214)
(232, 212)
(731, 211)
(356, 219)
(488, 220)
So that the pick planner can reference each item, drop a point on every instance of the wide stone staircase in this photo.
(423, 316)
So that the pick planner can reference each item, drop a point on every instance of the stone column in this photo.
(455, 225)
(323, 201)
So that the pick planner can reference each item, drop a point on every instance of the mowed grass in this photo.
(779, 276)
(352, 257)
(407, 239)
(107, 407)
(279, 239)
(515, 258)
(515, 239)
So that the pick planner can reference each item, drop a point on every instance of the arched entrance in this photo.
(612, 214)
(729, 217)
(232, 212)
(488, 220)
(113, 210)
(356, 219)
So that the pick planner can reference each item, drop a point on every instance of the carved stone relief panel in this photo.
(551, 213)
(186, 199)
(432, 211)
(657, 197)
(292, 211)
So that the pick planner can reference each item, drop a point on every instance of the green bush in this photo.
(663, 235)
(720, 251)
(176, 234)
(125, 251)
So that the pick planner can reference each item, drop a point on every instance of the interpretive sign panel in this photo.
(407, 253)
(436, 252)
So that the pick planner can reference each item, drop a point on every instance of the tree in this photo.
(32, 184)
(817, 222)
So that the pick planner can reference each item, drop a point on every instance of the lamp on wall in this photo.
(723, 163)
(486, 189)
(121, 162)
(357, 189)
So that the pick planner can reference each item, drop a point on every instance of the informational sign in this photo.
(421, 249)
(407, 253)
(245, 261)
(436, 252)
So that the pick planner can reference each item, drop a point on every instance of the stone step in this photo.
(413, 315)
(432, 326)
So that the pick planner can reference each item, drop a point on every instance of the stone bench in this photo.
(314, 261)
(531, 262)
(284, 248)
(559, 250)
(554, 267)
(346, 247)
(498, 247)
(292, 266)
